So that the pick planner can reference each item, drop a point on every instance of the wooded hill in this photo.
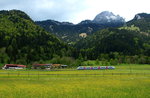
(123, 41)
(141, 20)
(131, 40)
(22, 41)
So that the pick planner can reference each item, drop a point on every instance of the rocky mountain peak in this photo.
(137, 17)
(141, 16)
(108, 17)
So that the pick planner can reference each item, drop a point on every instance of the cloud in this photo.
(125, 8)
(62, 10)
(75, 10)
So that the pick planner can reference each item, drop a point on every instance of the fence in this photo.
(41, 74)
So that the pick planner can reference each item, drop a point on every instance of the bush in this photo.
(66, 61)
(113, 62)
(97, 62)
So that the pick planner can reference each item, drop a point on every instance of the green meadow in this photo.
(126, 81)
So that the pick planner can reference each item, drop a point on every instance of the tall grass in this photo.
(74, 85)
(86, 87)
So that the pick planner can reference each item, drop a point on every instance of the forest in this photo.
(21, 41)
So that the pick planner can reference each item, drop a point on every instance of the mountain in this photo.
(22, 41)
(141, 20)
(132, 39)
(85, 22)
(123, 41)
(70, 32)
(107, 17)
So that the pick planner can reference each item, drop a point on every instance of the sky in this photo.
(76, 10)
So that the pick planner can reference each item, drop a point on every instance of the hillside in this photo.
(123, 41)
(132, 39)
(70, 32)
(141, 20)
(22, 41)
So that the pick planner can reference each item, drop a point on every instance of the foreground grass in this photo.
(75, 85)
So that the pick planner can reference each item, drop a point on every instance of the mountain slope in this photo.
(70, 32)
(21, 40)
(141, 20)
(133, 39)
(127, 42)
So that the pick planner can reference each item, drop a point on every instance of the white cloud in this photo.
(75, 10)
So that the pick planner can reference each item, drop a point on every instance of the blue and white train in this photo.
(95, 67)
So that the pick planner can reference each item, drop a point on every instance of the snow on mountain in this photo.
(108, 17)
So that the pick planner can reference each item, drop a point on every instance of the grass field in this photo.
(126, 81)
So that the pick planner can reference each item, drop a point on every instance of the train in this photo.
(94, 67)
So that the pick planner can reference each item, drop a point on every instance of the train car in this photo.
(95, 67)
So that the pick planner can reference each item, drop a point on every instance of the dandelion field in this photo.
(124, 82)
